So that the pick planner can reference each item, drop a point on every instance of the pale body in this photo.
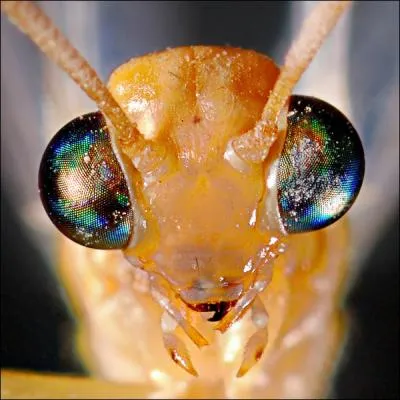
(120, 335)
(201, 228)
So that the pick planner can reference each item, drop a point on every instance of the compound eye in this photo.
(82, 186)
(321, 167)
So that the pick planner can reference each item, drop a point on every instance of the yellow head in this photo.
(202, 208)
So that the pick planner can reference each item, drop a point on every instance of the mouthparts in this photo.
(220, 309)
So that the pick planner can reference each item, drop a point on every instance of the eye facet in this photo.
(321, 167)
(82, 185)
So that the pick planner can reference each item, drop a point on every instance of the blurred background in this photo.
(357, 70)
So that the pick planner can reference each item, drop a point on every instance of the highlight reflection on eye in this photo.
(321, 167)
(82, 186)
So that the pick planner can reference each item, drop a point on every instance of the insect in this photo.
(196, 263)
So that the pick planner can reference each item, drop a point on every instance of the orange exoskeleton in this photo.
(200, 167)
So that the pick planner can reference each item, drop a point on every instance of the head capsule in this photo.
(82, 186)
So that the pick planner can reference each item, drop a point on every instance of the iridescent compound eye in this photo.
(82, 185)
(321, 167)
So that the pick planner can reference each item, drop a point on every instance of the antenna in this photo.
(31, 20)
(253, 146)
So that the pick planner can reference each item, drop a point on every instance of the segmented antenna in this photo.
(254, 145)
(31, 20)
